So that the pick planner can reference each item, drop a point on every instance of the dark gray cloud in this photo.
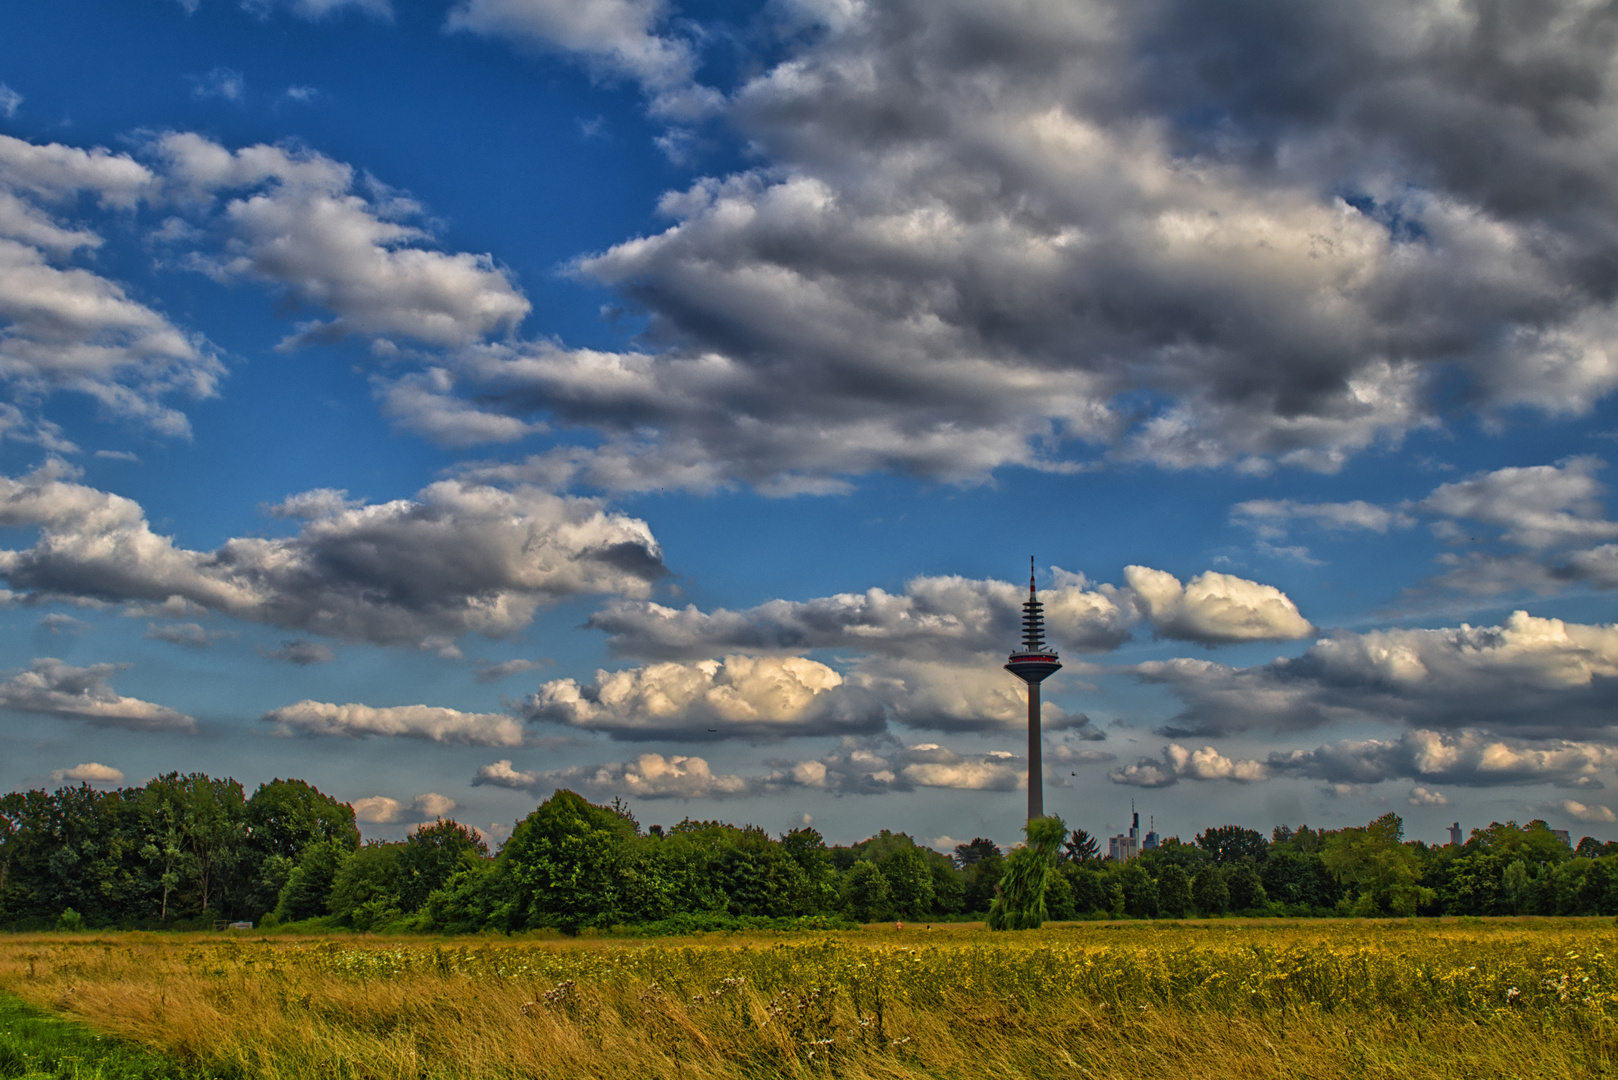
(302, 652)
(458, 558)
(1529, 677)
(974, 236)
(51, 688)
(1463, 758)
(1466, 758)
(961, 620)
(858, 766)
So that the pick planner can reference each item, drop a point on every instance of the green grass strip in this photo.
(34, 1046)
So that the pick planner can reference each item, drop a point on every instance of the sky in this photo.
(447, 402)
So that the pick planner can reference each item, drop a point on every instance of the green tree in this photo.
(431, 856)
(910, 882)
(1245, 887)
(1140, 891)
(1080, 847)
(282, 819)
(307, 892)
(1174, 892)
(562, 864)
(1228, 843)
(867, 896)
(1383, 872)
(1089, 889)
(365, 889)
(1020, 903)
(1209, 892)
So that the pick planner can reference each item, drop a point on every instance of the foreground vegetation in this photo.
(192, 851)
(1219, 998)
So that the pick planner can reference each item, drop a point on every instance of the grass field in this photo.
(1498, 998)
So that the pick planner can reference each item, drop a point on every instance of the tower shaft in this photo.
(1036, 768)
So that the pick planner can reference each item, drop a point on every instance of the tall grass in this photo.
(1502, 998)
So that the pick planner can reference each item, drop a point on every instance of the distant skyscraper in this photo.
(1033, 665)
(1455, 834)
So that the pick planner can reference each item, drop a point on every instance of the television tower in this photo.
(1033, 665)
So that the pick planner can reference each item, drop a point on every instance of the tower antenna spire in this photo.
(1033, 664)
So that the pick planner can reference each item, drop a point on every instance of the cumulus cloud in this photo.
(1179, 763)
(1270, 518)
(381, 810)
(458, 558)
(1530, 677)
(1420, 796)
(294, 220)
(649, 776)
(935, 618)
(1596, 815)
(502, 774)
(747, 696)
(877, 766)
(617, 37)
(962, 620)
(51, 688)
(90, 772)
(408, 721)
(968, 245)
(1539, 506)
(1215, 608)
(66, 328)
(1465, 759)
(10, 101)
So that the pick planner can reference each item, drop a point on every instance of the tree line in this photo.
(192, 850)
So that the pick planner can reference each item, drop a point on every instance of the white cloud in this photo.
(407, 721)
(1271, 517)
(221, 83)
(1530, 676)
(881, 765)
(90, 772)
(1215, 607)
(381, 810)
(857, 766)
(749, 696)
(296, 222)
(1466, 758)
(65, 328)
(1538, 506)
(458, 558)
(649, 776)
(1596, 815)
(10, 101)
(51, 688)
(1179, 763)
(501, 774)
(935, 618)
(1420, 796)
(618, 37)
(968, 246)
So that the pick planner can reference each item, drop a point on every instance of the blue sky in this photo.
(447, 402)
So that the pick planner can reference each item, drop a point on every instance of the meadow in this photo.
(1213, 998)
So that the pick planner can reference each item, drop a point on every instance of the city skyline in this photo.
(446, 403)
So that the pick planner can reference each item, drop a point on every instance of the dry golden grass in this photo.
(1507, 998)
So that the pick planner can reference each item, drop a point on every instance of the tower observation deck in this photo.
(1033, 664)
